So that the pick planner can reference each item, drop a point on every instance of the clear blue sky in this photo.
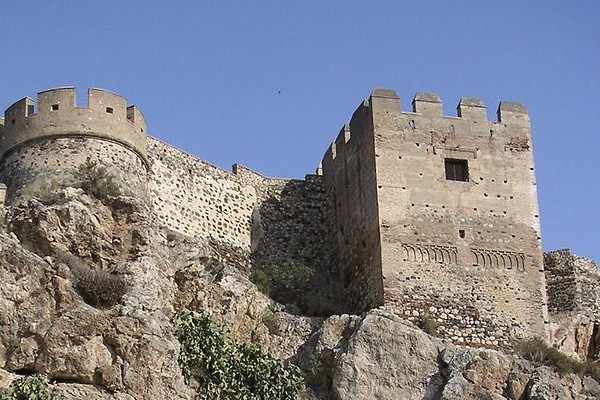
(269, 83)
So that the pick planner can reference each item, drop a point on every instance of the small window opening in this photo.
(110, 110)
(55, 107)
(456, 170)
(461, 233)
(30, 109)
(412, 124)
(13, 121)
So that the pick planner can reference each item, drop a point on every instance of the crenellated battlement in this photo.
(469, 109)
(384, 107)
(55, 114)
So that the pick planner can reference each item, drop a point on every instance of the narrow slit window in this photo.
(456, 170)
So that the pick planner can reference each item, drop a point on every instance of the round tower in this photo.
(55, 143)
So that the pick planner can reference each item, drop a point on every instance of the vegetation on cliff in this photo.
(32, 387)
(223, 368)
(541, 353)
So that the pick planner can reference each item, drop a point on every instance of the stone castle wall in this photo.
(572, 284)
(381, 223)
(46, 142)
(474, 242)
(195, 198)
(348, 170)
(291, 224)
(56, 114)
(573, 303)
(278, 221)
(45, 145)
(45, 165)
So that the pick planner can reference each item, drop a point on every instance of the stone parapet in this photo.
(56, 114)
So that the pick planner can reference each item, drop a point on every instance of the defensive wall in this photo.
(242, 208)
(429, 215)
(44, 144)
(573, 303)
(436, 215)
(195, 198)
(44, 140)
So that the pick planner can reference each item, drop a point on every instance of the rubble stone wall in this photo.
(196, 198)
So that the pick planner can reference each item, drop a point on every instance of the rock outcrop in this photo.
(124, 348)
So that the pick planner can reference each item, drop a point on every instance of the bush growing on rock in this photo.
(98, 288)
(223, 368)
(32, 387)
(95, 179)
(281, 279)
(261, 280)
(429, 323)
(540, 353)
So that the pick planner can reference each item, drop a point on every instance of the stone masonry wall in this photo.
(43, 143)
(56, 114)
(195, 198)
(473, 242)
(440, 245)
(572, 283)
(348, 170)
(41, 166)
(278, 220)
(291, 224)
(574, 303)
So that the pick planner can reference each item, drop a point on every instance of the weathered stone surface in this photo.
(381, 356)
(127, 350)
(400, 368)
(574, 303)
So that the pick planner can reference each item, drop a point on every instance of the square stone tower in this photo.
(437, 214)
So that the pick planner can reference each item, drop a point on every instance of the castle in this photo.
(426, 214)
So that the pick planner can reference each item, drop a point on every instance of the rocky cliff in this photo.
(91, 287)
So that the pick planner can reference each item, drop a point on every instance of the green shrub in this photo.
(282, 279)
(261, 280)
(429, 323)
(95, 179)
(226, 369)
(540, 353)
(33, 387)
